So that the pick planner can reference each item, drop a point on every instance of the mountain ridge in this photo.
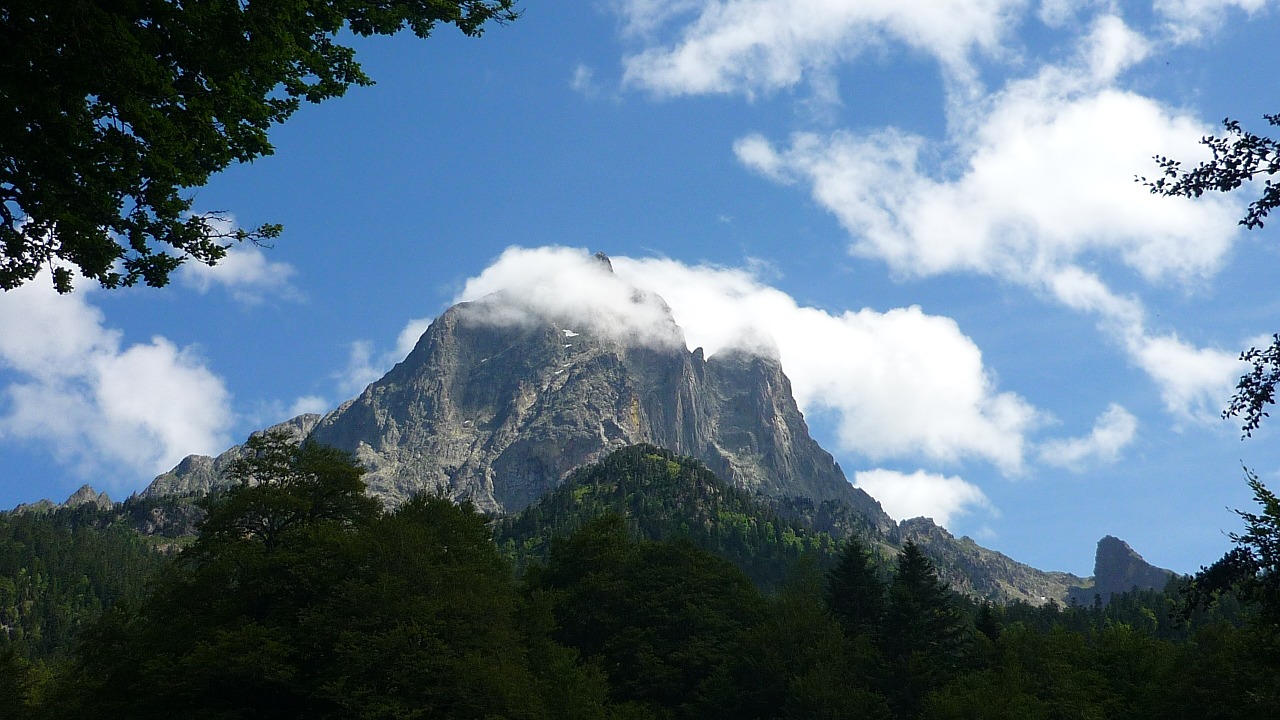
(497, 405)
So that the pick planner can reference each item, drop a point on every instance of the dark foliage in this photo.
(855, 592)
(664, 496)
(60, 569)
(1239, 157)
(302, 599)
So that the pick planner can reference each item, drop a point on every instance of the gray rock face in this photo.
(1117, 568)
(500, 411)
(86, 495)
(976, 571)
(198, 474)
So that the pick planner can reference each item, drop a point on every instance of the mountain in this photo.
(499, 403)
(978, 572)
(499, 411)
(1118, 568)
(198, 474)
(664, 496)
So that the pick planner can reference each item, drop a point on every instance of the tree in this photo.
(925, 635)
(855, 593)
(301, 600)
(1239, 157)
(110, 109)
(660, 618)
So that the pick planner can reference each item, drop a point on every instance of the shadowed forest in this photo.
(634, 591)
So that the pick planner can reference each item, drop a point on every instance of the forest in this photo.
(642, 588)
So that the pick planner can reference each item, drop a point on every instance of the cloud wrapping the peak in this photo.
(899, 383)
(569, 285)
(749, 46)
(118, 412)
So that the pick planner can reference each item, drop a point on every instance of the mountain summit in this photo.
(497, 404)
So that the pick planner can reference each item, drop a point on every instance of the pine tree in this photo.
(855, 592)
(925, 633)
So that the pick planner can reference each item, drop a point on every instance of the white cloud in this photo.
(922, 494)
(900, 383)
(245, 272)
(1057, 13)
(115, 411)
(583, 80)
(365, 364)
(748, 46)
(569, 285)
(309, 404)
(1112, 432)
(1194, 382)
(1189, 20)
(1045, 183)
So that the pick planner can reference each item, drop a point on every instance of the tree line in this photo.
(302, 597)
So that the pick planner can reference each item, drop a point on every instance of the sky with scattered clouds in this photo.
(927, 209)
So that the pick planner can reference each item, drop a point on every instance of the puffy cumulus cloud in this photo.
(745, 46)
(100, 406)
(922, 494)
(899, 383)
(1189, 20)
(1112, 432)
(1045, 183)
(1047, 177)
(245, 272)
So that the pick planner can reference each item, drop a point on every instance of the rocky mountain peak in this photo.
(1118, 568)
(86, 495)
(499, 401)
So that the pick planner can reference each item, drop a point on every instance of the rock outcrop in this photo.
(86, 495)
(198, 474)
(1117, 568)
(978, 572)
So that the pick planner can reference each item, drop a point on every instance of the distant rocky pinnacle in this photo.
(1117, 568)
(86, 495)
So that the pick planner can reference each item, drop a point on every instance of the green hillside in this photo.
(663, 496)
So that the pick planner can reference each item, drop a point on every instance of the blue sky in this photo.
(928, 206)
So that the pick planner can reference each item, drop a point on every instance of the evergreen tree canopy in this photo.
(301, 599)
(855, 592)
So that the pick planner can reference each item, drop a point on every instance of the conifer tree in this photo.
(925, 634)
(855, 592)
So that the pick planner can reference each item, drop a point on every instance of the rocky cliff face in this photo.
(86, 495)
(198, 474)
(1118, 568)
(499, 410)
(976, 571)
